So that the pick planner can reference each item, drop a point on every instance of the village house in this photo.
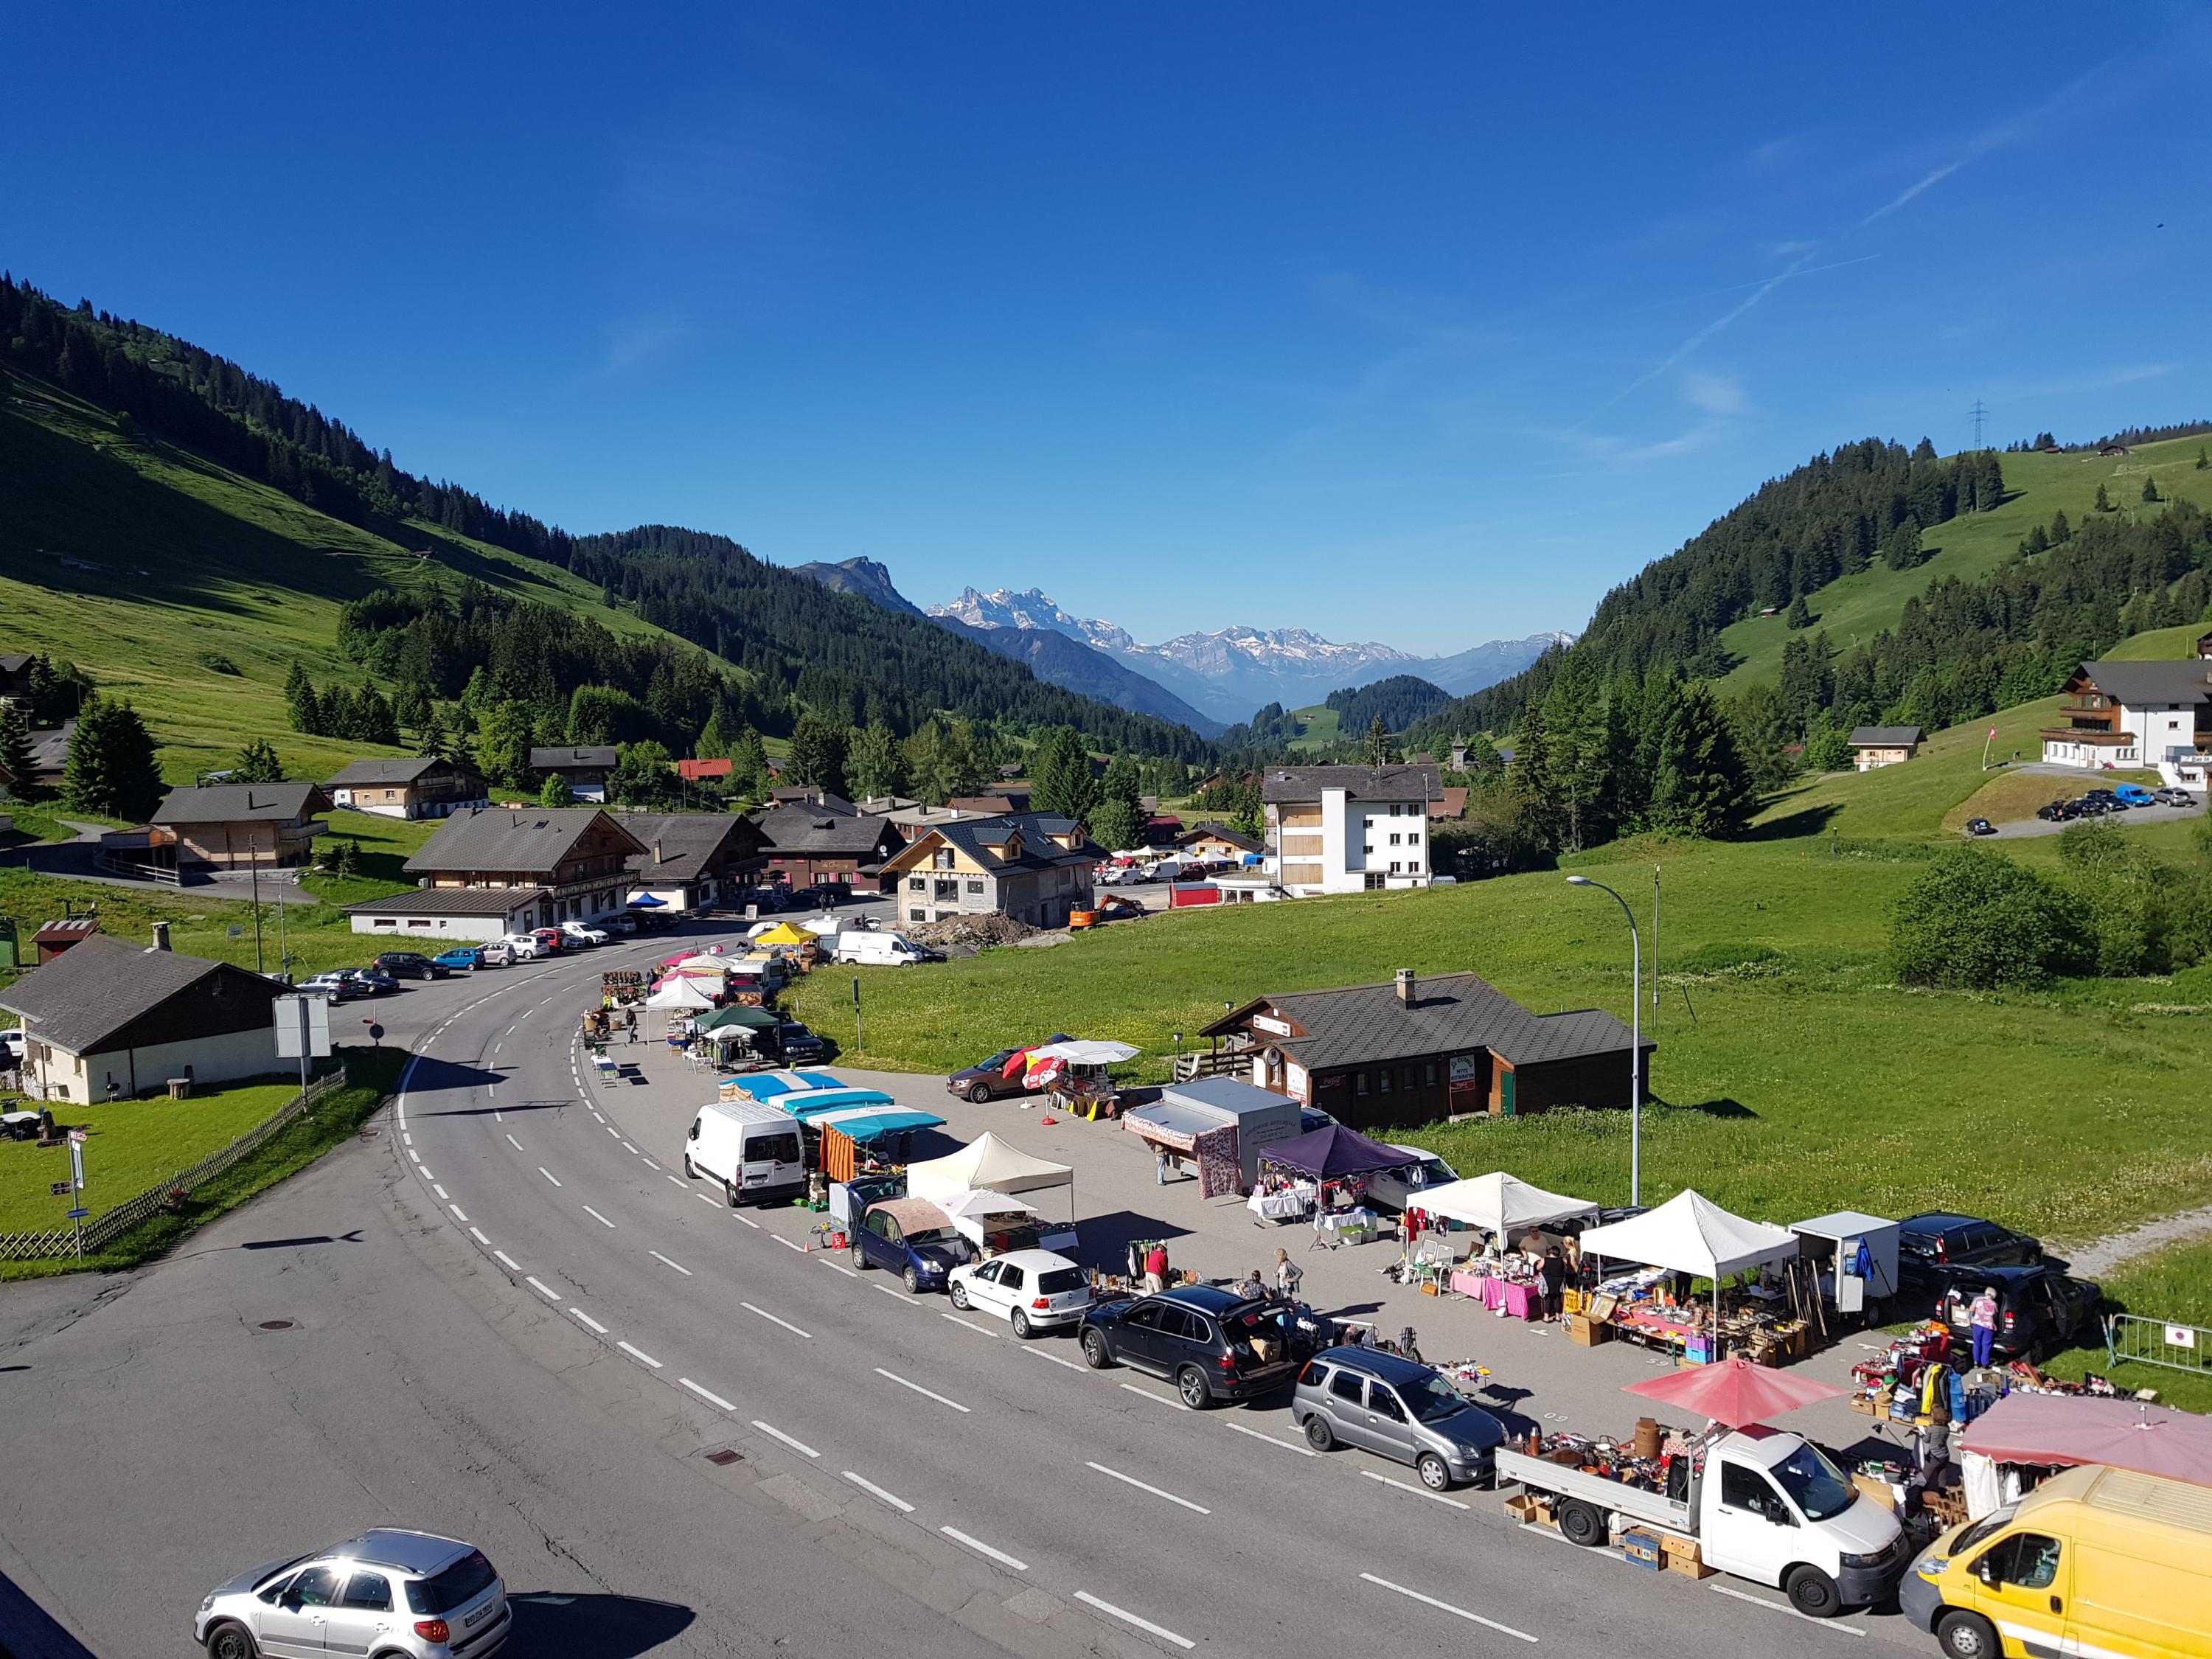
(691, 860)
(1450, 802)
(1348, 828)
(1877, 746)
(497, 870)
(584, 770)
(107, 1020)
(1036, 867)
(416, 786)
(1214, 844)
(15, 676)
(704, 771)
(53, 937)
(825, 843)
(1011, 796)
(2139, 715)
(238, 826)
(1421, 1050)
(50, 747)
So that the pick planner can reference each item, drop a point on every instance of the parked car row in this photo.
(1945, 1260)
(2094, 803)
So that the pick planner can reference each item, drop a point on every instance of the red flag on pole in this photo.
(1993, 731)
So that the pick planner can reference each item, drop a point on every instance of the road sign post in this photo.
(303, 1031)
(858, 1046)
(77, 1212)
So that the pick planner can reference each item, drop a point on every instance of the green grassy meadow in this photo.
(1318, 727)
(199, 568)
(2170, 1284)
(1856, 608)
(134, 1145)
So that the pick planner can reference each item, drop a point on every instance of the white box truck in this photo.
(1763, 1504)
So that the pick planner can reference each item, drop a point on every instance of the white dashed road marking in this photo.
(1446, 1607)
(666, 1263)
(930, 1393)
(773, 1319)
(587, 1318)
(711, 1399)
(1418, 1491)
(549, 1174)
(542, 1288)
(597, 1217)
(773, 1433)
(1129, 1618)
(1132, 1480)
(640, 1355)
(875, 1491)
(982, 1548)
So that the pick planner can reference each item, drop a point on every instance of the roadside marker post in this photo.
(77, 1211)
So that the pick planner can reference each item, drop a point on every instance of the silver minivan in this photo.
(1349, 1396)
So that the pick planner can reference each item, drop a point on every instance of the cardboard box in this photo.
(1690, 1567)
(1585, 1330)
(1877, 1489)
(1641, 1548)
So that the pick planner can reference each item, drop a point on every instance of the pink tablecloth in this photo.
(1520, 1301)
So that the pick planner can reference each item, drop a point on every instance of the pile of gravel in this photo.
(971, 932)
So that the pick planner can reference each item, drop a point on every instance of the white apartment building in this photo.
(1348, 828)
(2138, 715)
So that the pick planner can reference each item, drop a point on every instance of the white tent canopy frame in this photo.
(1499, 1203)
(679, 994)
(990, 1164)
(1690, 1234)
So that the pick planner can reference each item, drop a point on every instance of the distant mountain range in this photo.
(1230, 673)
(865, 577)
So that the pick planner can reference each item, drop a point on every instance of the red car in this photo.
(549, 939)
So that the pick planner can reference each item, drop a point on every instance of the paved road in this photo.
(514, 1317)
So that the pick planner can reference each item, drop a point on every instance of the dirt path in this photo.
(2092, 1260)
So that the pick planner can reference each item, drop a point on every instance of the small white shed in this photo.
(1836, 1242)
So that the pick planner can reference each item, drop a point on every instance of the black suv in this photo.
(407, 965)
(1212, 1344)
(1933, 1249)
(2041, 1310)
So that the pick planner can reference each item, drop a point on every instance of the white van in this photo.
(880, 950)
(754, 1151)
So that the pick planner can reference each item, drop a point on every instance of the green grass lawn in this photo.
(134, 1145)
(1319, 726)
(1854, 609)
(381, 846)
(1800, 1079)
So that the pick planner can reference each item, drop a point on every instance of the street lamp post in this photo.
(1635, 1041)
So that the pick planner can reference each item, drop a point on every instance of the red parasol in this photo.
(1015, 1062)
(1736, 1392)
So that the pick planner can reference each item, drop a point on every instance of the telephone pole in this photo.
(1979, 414)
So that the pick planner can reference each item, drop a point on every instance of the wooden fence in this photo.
(110, 1224)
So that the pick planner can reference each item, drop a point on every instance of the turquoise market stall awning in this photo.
(870, 1123)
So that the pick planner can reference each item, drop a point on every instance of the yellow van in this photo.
(2105, 1563)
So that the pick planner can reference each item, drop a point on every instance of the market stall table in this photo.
(1519, 1301)
(1292, 1203)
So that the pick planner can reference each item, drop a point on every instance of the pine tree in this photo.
(258, 763)
(748, 763)
(1574, 776)
(2104, 502)
(2061, 530)
(2150, 490)
(1378, 748)
(2038, 541)
(1117, 818)
(2202, 461)
(504, 737)
(15, 753)
(302, 704)
(111, 772)
(554, 792)
(1900, 548)
(876, 766)
(1700, 787)
(817, 753)
(1800, 614)
(644, 775)
(412, 709)
(374, 720)
(717, 739)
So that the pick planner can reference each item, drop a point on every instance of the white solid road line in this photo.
(834, 1268)
(513, 1142)
(542, 1288)
(788, 1245)
(875, 1491)
(711, 1399)
(1157, 1399)
(638, 1354)
(1271, 1439)
(549, 1174)
(1418, 1491)
(1132, 1480)
(666, 1263)
(597, 1217)
(1446, 1607)
(1129, 1618)
(589, 1320)
(980, 1330)
(1840, 1628)
(773, 1319)
(507, 1261)
(918, 1388)
(477, 1234)
(982, 1548)
(774, 1433)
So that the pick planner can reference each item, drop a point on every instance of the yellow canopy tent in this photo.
(784, 933)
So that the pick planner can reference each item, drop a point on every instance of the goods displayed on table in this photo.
(1278, 1197)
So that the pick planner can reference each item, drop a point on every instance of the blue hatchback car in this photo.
(461, 958)
(911, 1237)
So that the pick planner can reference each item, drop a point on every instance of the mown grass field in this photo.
(1798, 1077)
(1318, 727)
(1856, 608)
(133, 1145)
(2171, 1285)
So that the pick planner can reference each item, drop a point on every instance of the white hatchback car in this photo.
(385, 1593)
(1031, 1290)
(524, 947)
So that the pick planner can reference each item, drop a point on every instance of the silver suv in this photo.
(384, 1594)
(1358, 1397)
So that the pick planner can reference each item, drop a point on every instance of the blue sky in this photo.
(1421, 324)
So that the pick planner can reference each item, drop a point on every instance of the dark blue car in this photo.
(911, 1237)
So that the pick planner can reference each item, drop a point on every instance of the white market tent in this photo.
(1085, 1052)
(1690, 1234)
(1499, 1203)
(678, 992)
(989, 1164)
(978, 1204)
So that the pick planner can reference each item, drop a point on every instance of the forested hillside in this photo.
(852, 662)
(1397, 701)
